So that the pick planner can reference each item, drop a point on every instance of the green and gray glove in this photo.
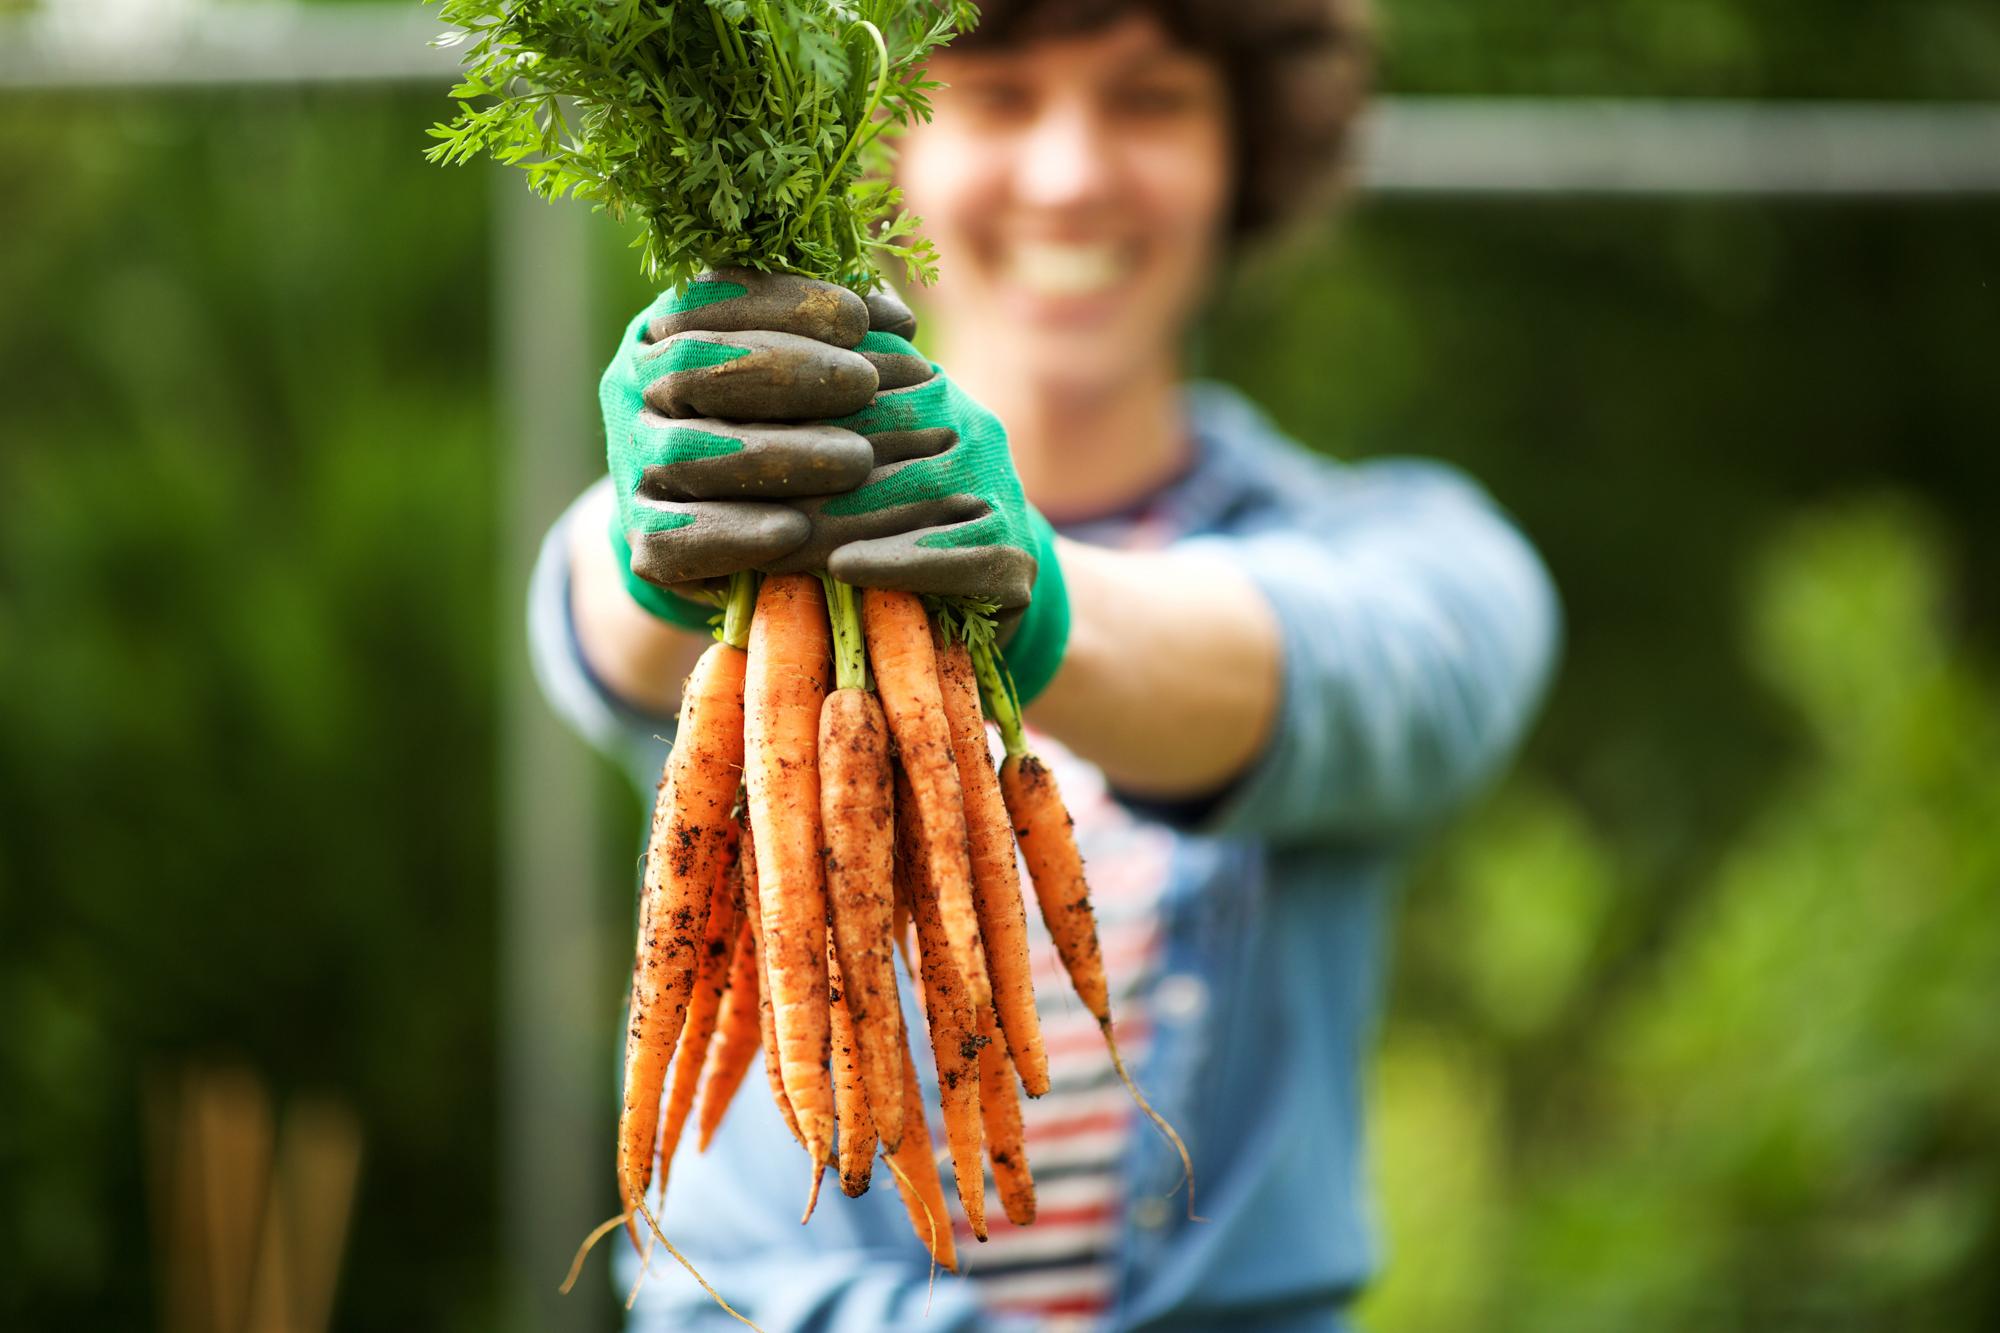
(909, 486)
(701, 406)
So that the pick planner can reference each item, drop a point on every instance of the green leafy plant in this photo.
(742, 132)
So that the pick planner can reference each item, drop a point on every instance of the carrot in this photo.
(857, 815)
(955, 1038)
(737, 1039)
(1000, 1111)
(899, 648)
(767, 1028)
(1048, 844)
(996, 875)
(857, 1126)
(725, 920)
(698, 788)
(915, 1166)
(791, 657)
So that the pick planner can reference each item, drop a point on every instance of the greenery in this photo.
(1692, 1026)
(1790, 1117)
(738, 132)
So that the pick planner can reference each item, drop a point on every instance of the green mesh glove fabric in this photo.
(703, 405)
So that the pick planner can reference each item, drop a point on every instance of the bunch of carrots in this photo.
(831, 794)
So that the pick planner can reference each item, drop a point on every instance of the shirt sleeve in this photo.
(636, 741)
(1419, 631)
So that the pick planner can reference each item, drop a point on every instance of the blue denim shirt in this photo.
(1419, 631)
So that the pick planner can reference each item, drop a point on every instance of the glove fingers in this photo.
(756, 375)
(1003, 574)
(830, 532)
(729, 460)
(897, 364)
(723, 537)
(888, 314)
(733, 300)
(900, 446)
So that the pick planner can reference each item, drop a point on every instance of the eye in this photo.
(1157, 98)
(996, 98)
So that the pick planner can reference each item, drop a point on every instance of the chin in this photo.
(1080, 364)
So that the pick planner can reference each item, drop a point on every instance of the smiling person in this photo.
(1261, 677)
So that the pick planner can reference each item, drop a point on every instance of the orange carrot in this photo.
(915, 1167)
(857, 1126)
(791, 658)
(996, 875)
(1048, 844)
(698, 788)
(767, 1028)
(948, 1008)
(857, 815)
(906, 673)
(737, 1038)
(725, 920)
(1000, 1111)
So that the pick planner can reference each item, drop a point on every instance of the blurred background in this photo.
(1697, 1018)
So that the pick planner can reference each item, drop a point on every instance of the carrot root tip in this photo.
(589, 1242)
(1187, 1163)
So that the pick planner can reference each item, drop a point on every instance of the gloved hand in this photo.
(699, 405)
(913, 488)
(941, 512)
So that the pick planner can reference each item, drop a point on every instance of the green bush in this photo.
(1790, 1117)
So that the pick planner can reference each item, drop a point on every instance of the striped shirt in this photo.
(1062, 1270)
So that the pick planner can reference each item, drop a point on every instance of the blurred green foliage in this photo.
(246, 622)
(1790, 1117)
(1689, 1025)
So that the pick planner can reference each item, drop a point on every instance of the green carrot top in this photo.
(741, 132)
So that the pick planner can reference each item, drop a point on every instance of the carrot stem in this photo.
(850, 647)
(996, 683)
(737, 611)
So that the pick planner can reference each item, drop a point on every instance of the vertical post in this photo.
(555, 1087)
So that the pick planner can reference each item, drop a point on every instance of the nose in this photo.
(1066, 160)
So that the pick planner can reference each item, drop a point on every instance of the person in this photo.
(1261, 677)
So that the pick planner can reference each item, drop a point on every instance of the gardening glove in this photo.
(703, 412)
(942, 510)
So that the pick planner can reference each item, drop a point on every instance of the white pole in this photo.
(556, 1021)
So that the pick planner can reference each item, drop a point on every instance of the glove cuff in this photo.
(678, 611)
(1036, 648)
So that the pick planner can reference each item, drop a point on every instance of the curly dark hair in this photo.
(1297, 71)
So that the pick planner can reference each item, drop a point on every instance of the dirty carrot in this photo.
(699, 787)
(1047, 836)
(767, 1029)
(737, 1038)
(1000, 1113)
(996, 875)
(948, 1008)
(718, 950)
(915, 1166)
(857, 1127)
(906, 676)
(791, 659)
(857, 815)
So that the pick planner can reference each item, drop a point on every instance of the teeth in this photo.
(1057, 268)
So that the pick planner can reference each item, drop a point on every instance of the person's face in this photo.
(1076, 190)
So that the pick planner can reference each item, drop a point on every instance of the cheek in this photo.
(1186, 185)
(950, 181)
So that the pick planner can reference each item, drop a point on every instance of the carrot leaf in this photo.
(740, 132)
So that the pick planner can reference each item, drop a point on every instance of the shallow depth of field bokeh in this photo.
(1694, 1025)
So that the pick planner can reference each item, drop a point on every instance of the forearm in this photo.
(634, 654)
(1172, 674)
